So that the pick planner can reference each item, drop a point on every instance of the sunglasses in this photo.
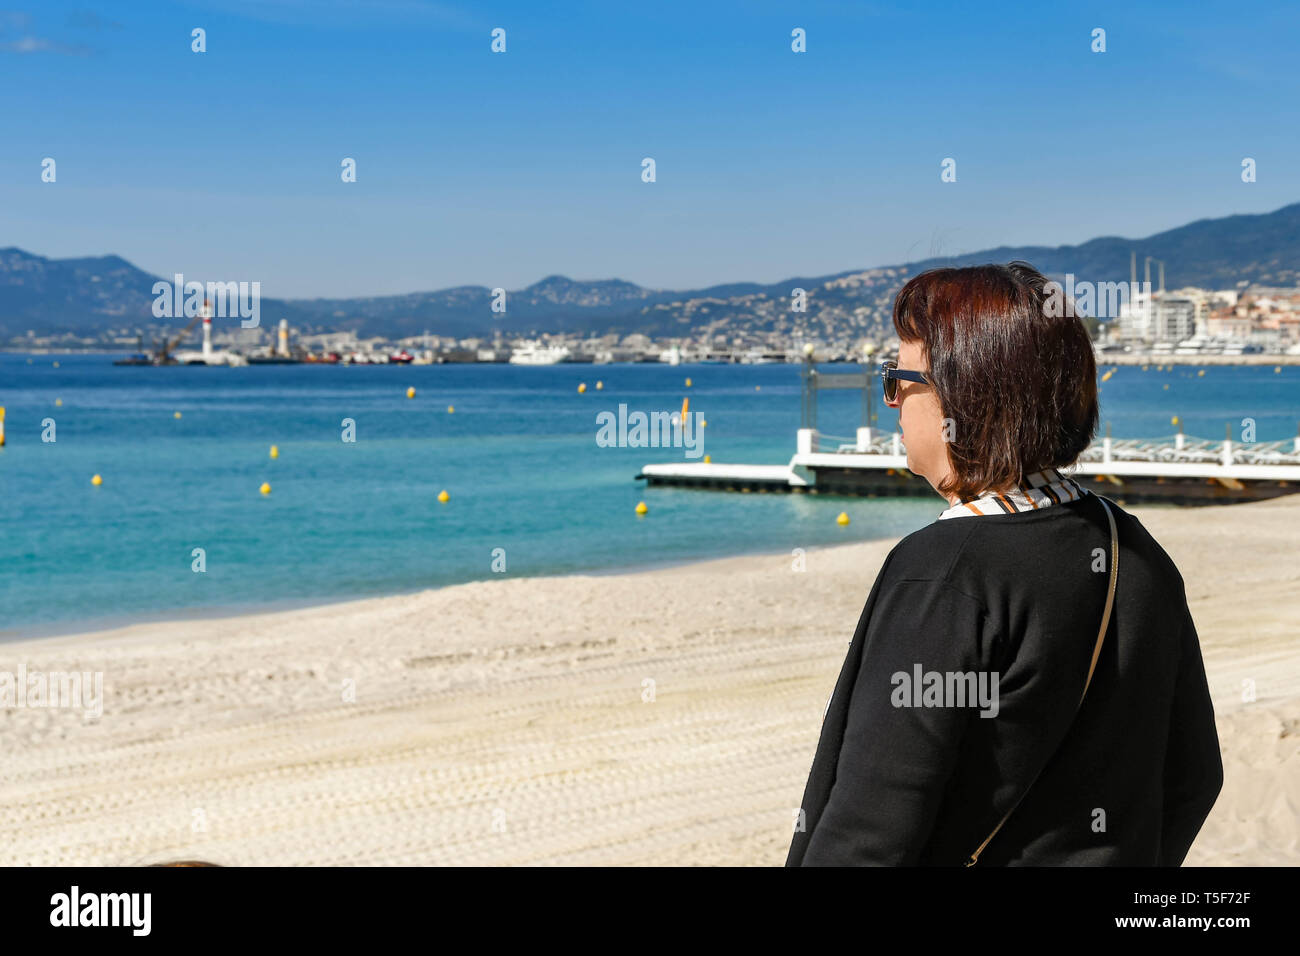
(891, 375)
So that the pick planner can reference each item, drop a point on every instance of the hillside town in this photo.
(1254, 323)
(1190, 321)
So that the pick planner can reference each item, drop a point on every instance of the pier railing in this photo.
(868, 441)
(1178, 448)
(1182, 448)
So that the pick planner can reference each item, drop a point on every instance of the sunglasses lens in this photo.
(889, 384)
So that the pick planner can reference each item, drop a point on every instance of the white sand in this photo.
(503, 722)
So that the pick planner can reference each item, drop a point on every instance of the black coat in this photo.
(1128, 779)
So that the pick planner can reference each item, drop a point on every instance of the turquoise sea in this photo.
(518, 458)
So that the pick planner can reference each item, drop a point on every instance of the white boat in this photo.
(209, 357)
(533, 353)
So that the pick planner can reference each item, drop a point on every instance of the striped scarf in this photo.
(1042, 489)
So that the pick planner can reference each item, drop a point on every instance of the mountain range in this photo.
(90, 296)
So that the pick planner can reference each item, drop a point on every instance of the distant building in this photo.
(1174, 318)
(1169, 318)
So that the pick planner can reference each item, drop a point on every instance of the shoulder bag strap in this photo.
(1096, 652)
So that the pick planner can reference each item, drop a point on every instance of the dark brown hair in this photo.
(1012, 365)
(186, 863)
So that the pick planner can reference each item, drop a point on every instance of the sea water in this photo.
(531, 489)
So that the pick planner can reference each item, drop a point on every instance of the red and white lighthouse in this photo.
(207, 331)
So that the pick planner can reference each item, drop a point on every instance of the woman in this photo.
(983, 696)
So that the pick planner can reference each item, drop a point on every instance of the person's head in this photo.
(186, 863)
(1012, 379)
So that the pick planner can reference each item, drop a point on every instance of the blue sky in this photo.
(499, 169)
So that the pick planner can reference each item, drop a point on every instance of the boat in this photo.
(1200, 344)
(209, 357)
(534, 353)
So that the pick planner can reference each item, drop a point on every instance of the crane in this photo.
(163, 355)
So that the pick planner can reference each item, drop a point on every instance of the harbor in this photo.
(1135, 324)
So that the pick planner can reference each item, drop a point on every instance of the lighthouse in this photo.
(283, 347)
(207, 332)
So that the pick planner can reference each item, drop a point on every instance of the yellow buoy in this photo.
(688, 383)
(410, 392)
(96, 480)
(1200, 373)
(641, 508)
(275, 451)
(56, 364)
(843, 519)
(1144, 368)
(1106, 377)
(1166, 386)
(443, 496)
(451, 409)
(599, 385)
(265, 489)
(1174, 420)
(1276, 369)
(176, 414)
(582, 387)
(58, 403)
(708, 458)
(704, 422)
(758, 388)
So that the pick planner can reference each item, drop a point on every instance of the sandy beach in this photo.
(662, 717)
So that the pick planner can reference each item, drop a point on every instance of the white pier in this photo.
(1178, 468)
